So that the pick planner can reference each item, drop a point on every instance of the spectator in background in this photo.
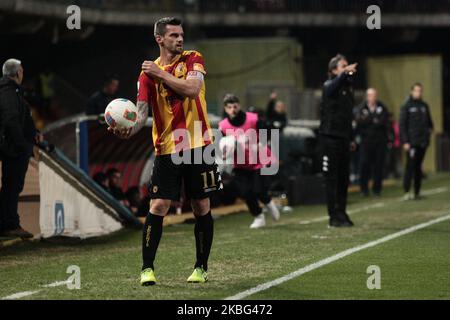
(102, 180)
(18, 135)
(47, 87)
(115, 185)
(276, 112)
(100, 99)
(372, 122)
(416, 127)
(134, 200)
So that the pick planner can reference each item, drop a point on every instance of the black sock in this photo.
(150, 240)
(204, 231)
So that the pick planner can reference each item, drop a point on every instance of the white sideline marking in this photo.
(356, 210)
(299, 272)
(334, 258)
(56, 284)
(376, 205)
(22, 294)
(19, 295)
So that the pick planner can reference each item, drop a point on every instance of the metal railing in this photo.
(78, 119)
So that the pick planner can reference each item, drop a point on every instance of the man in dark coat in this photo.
(336, 137)
(416, 127)
(17, 138)
(372, 121)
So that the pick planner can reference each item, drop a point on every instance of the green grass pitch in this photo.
(414, 266)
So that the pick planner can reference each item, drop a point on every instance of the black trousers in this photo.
(373, 154)
(414, 160)
(13, 178)
(252, 186)
(336, 170)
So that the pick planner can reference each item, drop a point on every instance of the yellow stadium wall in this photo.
(393, 77)
(234, 64)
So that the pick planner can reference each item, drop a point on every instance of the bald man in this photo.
(372, 121)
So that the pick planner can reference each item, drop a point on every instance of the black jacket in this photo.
(17, 130)
(97, 103)
(415, 123)
(275, 120)
(336, 114)
(373, 126)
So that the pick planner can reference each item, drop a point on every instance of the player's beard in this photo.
(179, 49)
(175, 49)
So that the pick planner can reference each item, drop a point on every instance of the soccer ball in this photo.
(227, 146)
(121, 114)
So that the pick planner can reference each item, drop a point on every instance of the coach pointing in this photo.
(336, 137)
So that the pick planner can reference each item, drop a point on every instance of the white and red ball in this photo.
(121, 114)
(227, 146)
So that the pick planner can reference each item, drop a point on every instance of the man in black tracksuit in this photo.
(17, 137)
(415, 130)
(372, 121)
(336, 137)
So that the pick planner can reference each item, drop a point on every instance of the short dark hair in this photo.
(110, 172)
(230, 98)
(108, 78)
(416, 84)
(334, 62)
(160, 25)
(100, 177)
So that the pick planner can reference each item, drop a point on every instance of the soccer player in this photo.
(173, 85)
(251, 185)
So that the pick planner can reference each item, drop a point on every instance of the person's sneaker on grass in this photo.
(274, 212)
(148, 277)
(198, 276)
(259, 222)
(334, 223)
(407, 196)
(345, 220)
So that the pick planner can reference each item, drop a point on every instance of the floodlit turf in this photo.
(415, 266)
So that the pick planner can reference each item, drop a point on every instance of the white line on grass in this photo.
(334, 258)
(375, 205)
(22, 294)
(297, 273)
(19, 295)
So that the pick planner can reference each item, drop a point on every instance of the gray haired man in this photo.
(17, 137)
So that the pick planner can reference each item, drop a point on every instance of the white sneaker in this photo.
(407, 196)
(259, 222)
(272, 208)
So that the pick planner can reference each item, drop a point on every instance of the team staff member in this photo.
(416, 127)
(372, 121)
(173, 85)
(251, 185)
(17, 137)
(336, 137)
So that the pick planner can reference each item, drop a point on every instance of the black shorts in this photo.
(200, 180)
(250, 182)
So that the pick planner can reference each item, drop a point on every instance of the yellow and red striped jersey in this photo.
(172, 112)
